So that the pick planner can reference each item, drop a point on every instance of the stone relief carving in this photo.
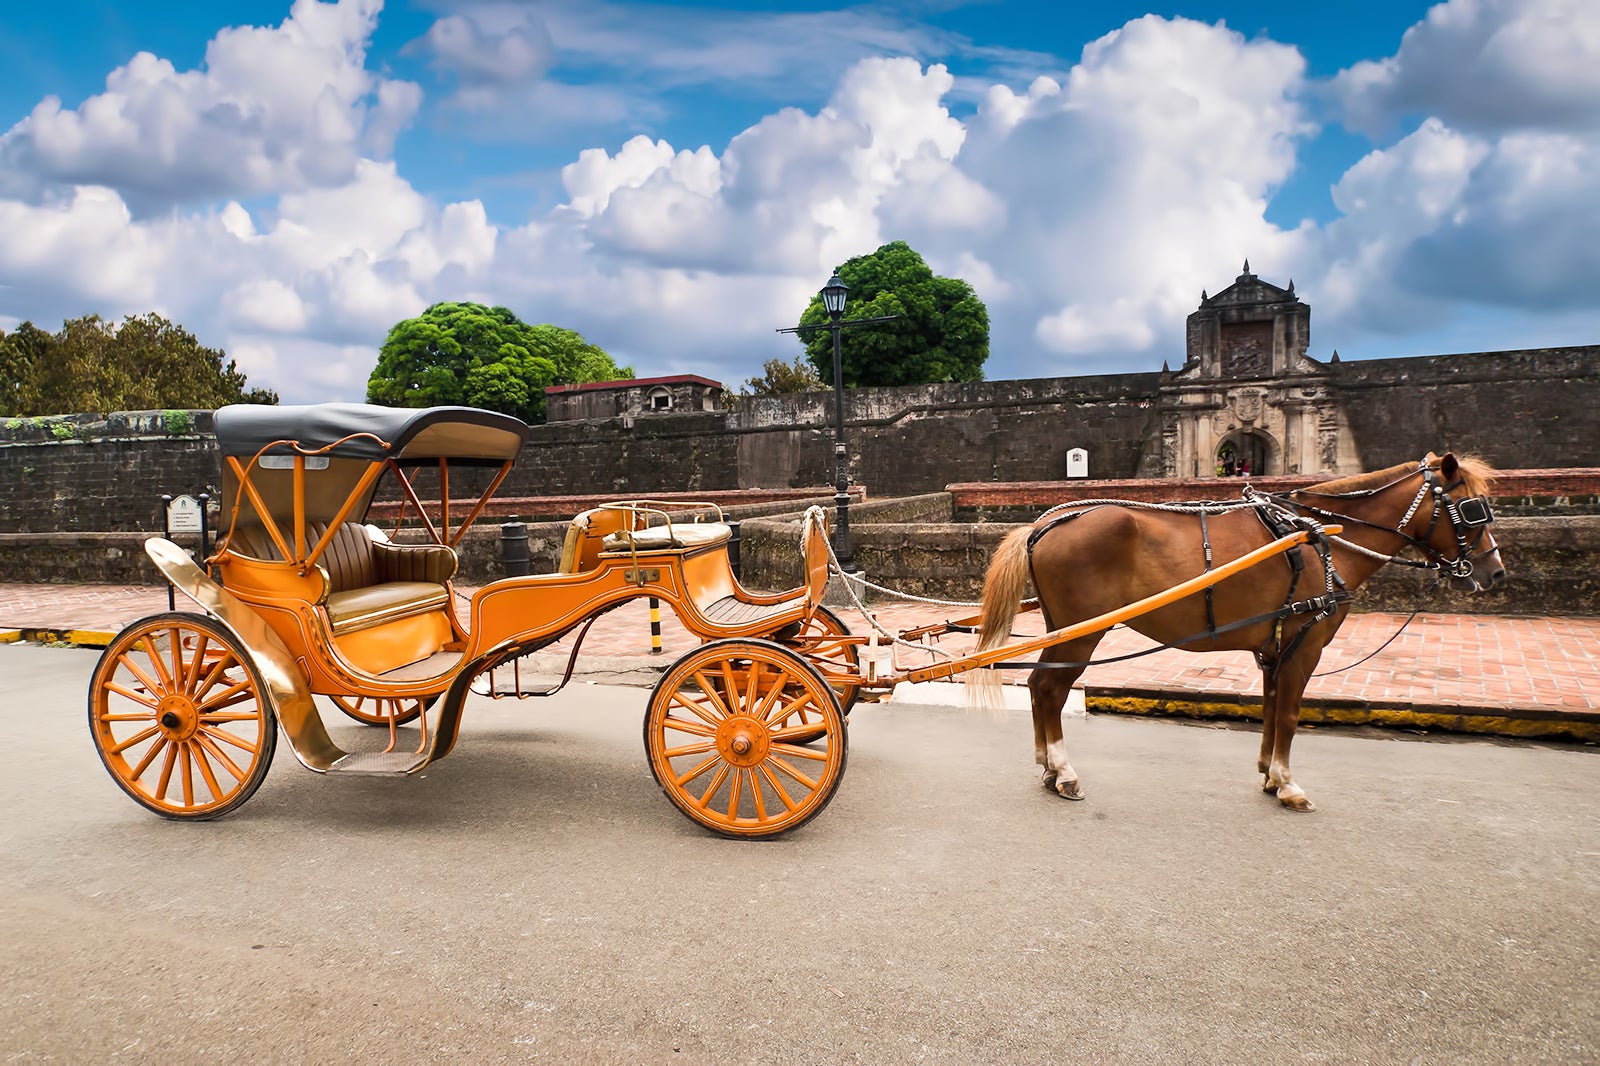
(1169, 447)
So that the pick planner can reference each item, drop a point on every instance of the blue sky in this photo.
(288, 179)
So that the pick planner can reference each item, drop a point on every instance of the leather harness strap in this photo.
(1280, 521)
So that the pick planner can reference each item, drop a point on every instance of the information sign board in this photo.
(184, 515)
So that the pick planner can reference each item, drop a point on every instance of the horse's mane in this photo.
(1475, 471)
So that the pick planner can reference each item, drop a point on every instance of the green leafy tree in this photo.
(22, 353)
(778, 377)
(477, 356)
(144, 363)
(942, 334)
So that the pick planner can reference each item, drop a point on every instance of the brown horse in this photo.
(1108, 556)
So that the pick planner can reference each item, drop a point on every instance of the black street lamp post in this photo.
(833, 297)
(833, 294)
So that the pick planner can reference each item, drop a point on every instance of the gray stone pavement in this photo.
(534, 897)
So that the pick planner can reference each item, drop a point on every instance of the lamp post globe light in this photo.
(833, 295)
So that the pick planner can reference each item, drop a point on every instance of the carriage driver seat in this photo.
(370, 581)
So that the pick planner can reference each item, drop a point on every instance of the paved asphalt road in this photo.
(534, 896)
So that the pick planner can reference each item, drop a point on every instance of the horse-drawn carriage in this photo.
(746, 734)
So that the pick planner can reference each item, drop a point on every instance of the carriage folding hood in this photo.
(351, 437)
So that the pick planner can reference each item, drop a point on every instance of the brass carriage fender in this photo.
(288, 693)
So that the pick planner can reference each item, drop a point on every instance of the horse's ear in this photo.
(1448, 467)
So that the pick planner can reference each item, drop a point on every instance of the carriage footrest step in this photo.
(379, 764)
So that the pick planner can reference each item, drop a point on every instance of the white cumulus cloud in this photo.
(1489, 201)
(1088, 209)
(1126, 190)
(272, 109)
(1485, 65)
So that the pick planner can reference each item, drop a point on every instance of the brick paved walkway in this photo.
(1529, 668)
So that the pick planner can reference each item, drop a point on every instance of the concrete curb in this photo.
(81, 638)
(1526, 723)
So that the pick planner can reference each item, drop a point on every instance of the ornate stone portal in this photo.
(1248, 399)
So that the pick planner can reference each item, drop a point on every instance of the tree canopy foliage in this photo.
(778, 377)
(144, 364)
(477, 356)
(943, 334)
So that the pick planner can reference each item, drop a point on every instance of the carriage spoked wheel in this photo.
(178, 717)
(724, 734)
(381, 710)
(840, 657)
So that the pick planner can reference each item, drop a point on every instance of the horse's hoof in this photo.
(1297, 803)
(1268, 787)
(1048, 780)
(1069, 790)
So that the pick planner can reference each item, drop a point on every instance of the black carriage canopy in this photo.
(463, 434)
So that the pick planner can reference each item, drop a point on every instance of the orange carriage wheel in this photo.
(378, 710)
(724, 735)
(177, 715)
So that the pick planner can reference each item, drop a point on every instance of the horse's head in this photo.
(1457, 532)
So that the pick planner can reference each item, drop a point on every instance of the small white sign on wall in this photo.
(183, 515)
(1077, 462)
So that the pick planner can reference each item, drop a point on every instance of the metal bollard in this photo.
(655, 626)
(514, 549)
(733, 550)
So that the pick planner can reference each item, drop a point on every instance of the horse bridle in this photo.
(1471, 514)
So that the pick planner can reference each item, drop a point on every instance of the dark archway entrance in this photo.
(1245, 454)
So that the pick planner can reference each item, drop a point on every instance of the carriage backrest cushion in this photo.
(348, 558)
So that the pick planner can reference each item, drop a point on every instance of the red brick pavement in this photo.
(1476, 663)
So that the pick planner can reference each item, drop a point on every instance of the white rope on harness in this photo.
(1206, 507)
(846, 582)
(908, 596)
(1359, 550)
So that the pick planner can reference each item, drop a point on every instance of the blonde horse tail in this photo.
(1003, 589)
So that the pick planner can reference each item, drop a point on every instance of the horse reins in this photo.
(1472, 513)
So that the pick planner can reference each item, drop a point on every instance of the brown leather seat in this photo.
(369, 582)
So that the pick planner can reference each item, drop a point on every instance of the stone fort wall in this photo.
(1537, 407)
(1520, 409)
(105, 473)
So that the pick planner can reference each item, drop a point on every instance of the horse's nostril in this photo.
(1497, 578)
